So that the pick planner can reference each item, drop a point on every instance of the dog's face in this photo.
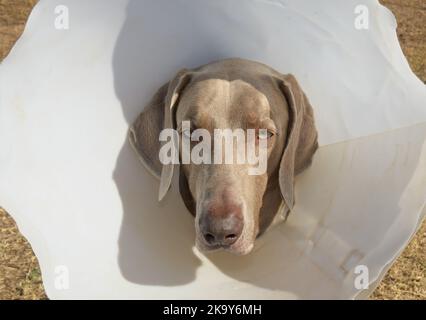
(231, 206)
(227, 198)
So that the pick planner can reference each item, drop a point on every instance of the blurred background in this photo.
(20, 276)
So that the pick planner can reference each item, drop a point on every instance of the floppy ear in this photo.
(302, 138)
(185, 193)
(144, 133)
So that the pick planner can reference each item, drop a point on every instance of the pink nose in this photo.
(222, 223)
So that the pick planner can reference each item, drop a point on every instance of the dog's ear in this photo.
(159, 114)
(302, 138)
(185, 193)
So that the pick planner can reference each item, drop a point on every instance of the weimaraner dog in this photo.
(230, 206)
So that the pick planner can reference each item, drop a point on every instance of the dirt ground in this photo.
(20, 276)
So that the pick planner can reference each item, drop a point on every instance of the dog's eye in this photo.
(264, 134)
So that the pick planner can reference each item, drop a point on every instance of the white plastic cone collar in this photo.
(89, 208)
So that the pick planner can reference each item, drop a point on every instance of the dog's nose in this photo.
(222, 226)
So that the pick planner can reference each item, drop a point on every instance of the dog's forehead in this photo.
(222, 101)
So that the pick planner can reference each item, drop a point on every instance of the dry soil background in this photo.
(19, 271)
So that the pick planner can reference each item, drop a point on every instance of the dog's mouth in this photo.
(234, 249)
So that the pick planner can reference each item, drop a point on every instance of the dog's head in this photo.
(231, 206)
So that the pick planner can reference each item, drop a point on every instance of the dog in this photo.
(231, 207)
